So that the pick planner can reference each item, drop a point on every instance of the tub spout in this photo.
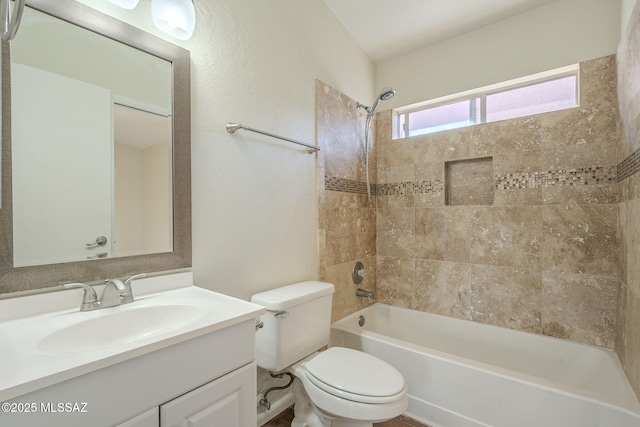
(363, 293)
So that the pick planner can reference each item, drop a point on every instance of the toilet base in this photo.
(308, 415)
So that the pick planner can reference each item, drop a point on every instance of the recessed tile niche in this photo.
(469, 182)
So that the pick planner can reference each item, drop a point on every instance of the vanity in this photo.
(178, 352)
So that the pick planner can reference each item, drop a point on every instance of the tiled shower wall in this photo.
(541, 256)
(347, 220)
(628, 324)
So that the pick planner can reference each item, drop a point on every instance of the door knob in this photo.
(100, 241)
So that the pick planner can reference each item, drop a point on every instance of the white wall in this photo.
(158, 198)
(254, 199)
(128, 200)
(561, 33)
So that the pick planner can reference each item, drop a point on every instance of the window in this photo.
(540, 93)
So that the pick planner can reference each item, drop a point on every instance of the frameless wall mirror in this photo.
(97, 131)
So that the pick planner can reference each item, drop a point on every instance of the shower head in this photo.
(385, 94)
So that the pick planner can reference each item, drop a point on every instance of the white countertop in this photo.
(27, 322)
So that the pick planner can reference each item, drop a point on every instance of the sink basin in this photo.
(120, 326)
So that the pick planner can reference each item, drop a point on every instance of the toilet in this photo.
(338, 387)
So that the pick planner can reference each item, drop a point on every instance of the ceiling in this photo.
(140, 129)
(387, 29)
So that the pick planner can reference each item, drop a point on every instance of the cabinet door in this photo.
(226, 402)
(147, 419)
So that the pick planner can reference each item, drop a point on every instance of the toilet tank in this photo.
(296, 324)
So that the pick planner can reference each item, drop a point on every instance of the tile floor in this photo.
(284, 420)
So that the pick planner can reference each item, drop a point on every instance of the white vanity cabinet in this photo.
(228, 401)
(209, 380)
(178, 355)
(148, 419)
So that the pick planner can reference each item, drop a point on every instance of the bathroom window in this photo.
(540, 93)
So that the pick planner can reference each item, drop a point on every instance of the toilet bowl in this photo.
(338, 387)
(347, 388)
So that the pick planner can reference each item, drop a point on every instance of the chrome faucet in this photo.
(116, 292)
(363, 293)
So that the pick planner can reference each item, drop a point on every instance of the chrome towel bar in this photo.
(232, 127)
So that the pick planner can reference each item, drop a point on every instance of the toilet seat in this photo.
(355, 376)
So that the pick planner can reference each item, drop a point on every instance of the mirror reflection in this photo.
(91, 146)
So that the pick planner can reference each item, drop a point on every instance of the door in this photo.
(226, 402)
(62, 167)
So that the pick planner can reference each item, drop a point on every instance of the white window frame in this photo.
(481, 94)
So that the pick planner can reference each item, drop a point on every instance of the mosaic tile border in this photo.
(629, 166)
(599, 175)
(406, 188)
(596, 175)
(344, 185)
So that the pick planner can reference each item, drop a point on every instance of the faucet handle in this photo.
(89, 298)
(134, 277)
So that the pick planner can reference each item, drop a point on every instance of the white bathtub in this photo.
(466, 374)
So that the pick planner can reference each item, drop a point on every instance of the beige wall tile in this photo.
(630, 247)
(508, 236)
(396, 232)
(520, 134)
(443, 288)
(632, 341)
(395, 279)
(443, 233)
(442, 146)
(398, 152)
(347, 221)
(628, 328)
(580, 307)
(543, 216)
(427, 169)
(621, 323)
(401, 201)
(580, 238)
(429, 200)
(507, 297)
(396, 173)
(586, 194)
(365, 231)
(518, 197)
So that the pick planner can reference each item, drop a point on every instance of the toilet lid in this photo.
(355, 375)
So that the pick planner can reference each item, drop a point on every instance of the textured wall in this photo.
(543, 256)
(347, 221)
(628, 331)
(560, 33)
(254, 198)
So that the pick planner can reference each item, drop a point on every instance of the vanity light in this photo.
(174, 17)
(126, 4)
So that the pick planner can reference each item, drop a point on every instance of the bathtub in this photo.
(466, 374)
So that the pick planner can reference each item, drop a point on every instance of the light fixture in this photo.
(126, 4)
(10, 19)
(174, 17)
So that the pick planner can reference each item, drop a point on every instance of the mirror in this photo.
(112, 84)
